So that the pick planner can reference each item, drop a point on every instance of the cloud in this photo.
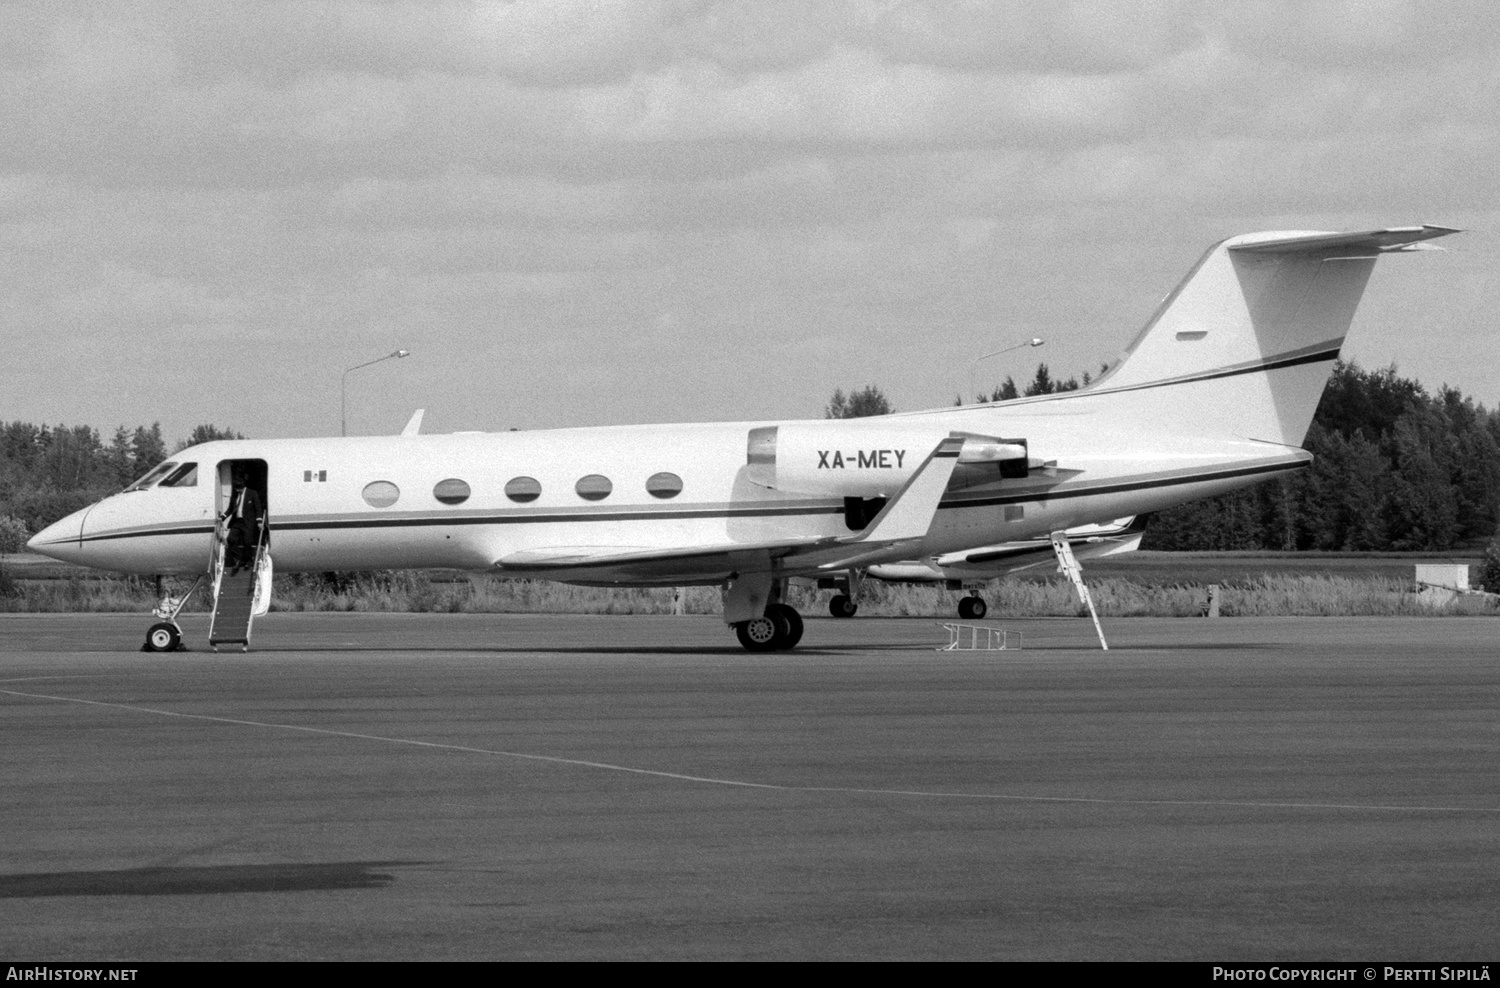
(807, 177)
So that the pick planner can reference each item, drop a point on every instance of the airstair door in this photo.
(241, 562)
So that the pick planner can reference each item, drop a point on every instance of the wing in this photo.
(896, 532)
(1121, 536)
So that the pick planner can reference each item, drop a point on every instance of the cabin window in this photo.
(523, 489)
(152, 476)
(451, 491)
(594, 487)
(381, 494)
(664, 485)
(184, 476)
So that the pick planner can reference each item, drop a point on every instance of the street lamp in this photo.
(343, 417)
(996, 353)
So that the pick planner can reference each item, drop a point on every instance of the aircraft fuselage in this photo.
(442, 501)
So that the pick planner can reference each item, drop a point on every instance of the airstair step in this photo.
(233, 608)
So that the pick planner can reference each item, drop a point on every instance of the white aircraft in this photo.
(1216, 392)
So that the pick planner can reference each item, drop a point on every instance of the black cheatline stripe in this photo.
(488, 520)
(1139, 485)
(539, 519)
(142, 533)
(1273, 364)
(1308, 358)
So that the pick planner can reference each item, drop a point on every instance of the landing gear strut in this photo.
(845, 604)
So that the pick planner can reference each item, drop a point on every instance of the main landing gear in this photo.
(779, 628)
(166, 634)
(972, 607)
(845, 603)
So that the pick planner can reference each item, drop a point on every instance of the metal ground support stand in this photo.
(1068, 563)
(979, 638)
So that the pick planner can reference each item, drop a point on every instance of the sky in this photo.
(579, 213)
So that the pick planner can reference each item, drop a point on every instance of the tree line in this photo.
(1396, 469)
(48, 472)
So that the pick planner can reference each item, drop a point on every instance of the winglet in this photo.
(415, 425)
(909, 514)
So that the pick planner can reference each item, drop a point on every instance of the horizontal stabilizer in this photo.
(1243, 345)
(1388, 239)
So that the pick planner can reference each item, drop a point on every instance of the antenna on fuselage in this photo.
(415, 425)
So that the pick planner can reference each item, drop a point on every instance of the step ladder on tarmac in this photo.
(979, 638)
(235, 599)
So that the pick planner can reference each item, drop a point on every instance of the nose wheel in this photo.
(164, 636)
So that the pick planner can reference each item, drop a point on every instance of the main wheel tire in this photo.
(842, 607)
(163, 637)
(789, 622)
(972, 608)
(758, 634)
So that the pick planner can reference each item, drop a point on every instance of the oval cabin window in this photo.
(381, 494)
(664, 485)
(523, 489)
(594, 487)
(451, 491)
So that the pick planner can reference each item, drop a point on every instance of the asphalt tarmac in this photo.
(523, 787)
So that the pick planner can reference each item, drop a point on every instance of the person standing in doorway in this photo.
(246, 519)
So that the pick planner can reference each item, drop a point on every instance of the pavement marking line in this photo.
(741, 784)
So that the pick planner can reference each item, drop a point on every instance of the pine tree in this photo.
(857, 404)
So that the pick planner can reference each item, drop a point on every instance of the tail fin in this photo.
(1268, 311)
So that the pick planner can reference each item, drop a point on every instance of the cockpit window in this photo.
(185, 475)
(156, 473)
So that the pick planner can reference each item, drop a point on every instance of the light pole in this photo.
(996, 353)
(343, 415)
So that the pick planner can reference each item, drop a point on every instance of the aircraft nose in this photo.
(63, 539)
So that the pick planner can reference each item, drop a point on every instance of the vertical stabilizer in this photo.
(1263, 316)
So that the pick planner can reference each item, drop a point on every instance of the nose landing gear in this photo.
(166, 635)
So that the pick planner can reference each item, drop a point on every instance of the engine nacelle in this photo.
(865, 458)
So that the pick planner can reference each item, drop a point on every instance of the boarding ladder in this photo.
(234, 595)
